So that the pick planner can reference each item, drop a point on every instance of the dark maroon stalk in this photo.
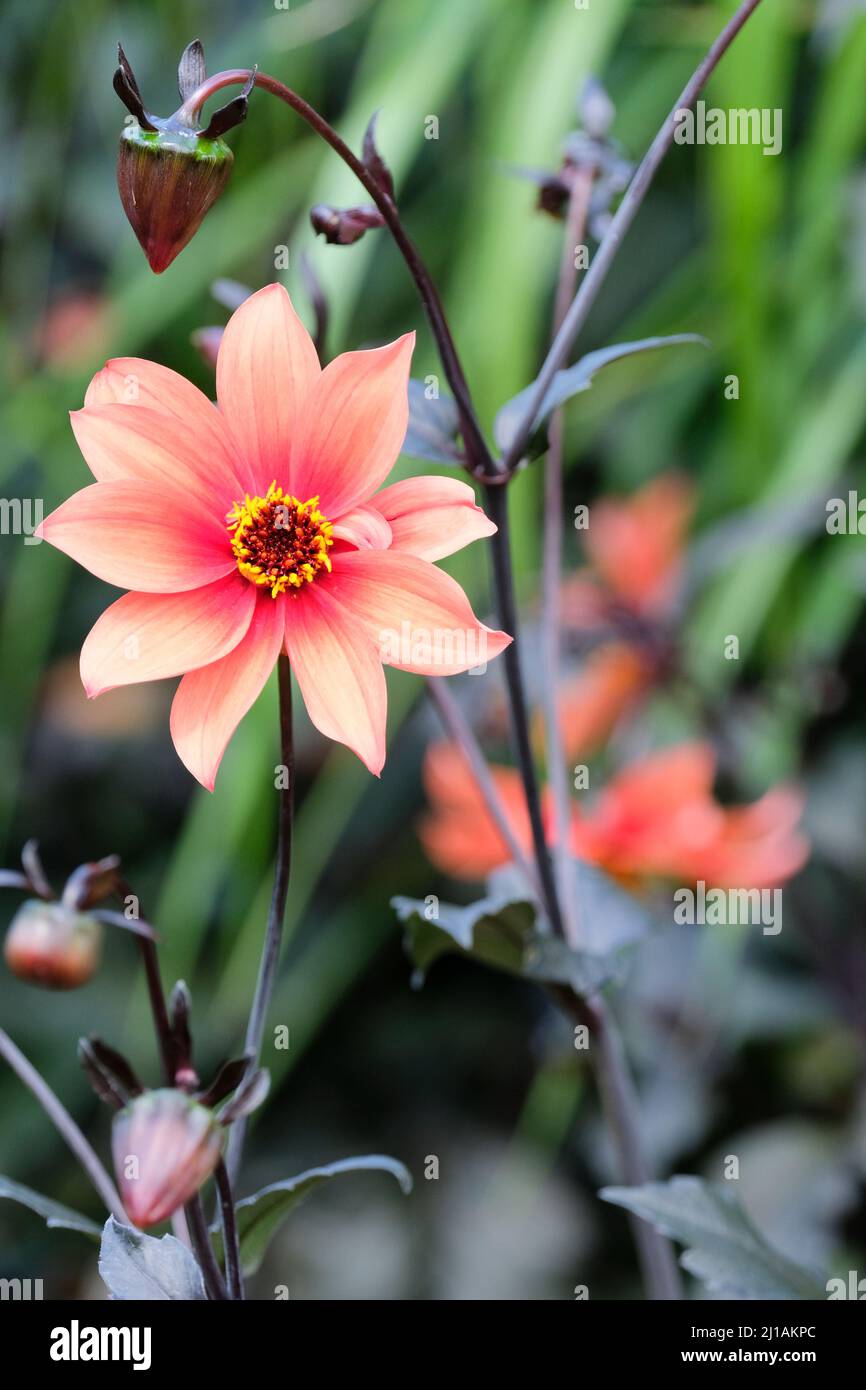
(231, 1246)
(274, 932)
(557, 774)
(497, 507)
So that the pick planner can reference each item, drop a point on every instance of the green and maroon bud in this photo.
(165, 1145)
(48, 944)
(170, 171)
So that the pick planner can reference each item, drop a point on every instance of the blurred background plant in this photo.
(745, 1045)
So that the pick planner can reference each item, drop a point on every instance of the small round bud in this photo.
(49, 945)
(164, 1145)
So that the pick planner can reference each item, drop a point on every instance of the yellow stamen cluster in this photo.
(280, 541)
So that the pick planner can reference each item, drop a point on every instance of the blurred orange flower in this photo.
(656, 819)
(634, 547)
(594, 699)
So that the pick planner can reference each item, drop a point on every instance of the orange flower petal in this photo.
(417, 616)
(267, 369)
(140, 535)
(339, 673)
(354, 426)
(458, 834)
(145, 637)
(148, 445)
(365, 528)
(432, 517)
(635, 544)
(212, 701)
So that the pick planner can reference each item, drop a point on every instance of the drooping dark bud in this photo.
(179, 1010)
(49, 945)
(109, 1073)
(91, 884)
(165, 1145)
(373, 160)
(228, 1077)
(170, 172)
(343, 226)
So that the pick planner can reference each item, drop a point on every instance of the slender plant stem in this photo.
(476, 447)
(458, 727)
(575, 230)
(201, 1244)
(497, 506)
(626, 212)
(64, 1124)
(274, 932)
(231, 1245)
(620, 1105)
(158, 1009)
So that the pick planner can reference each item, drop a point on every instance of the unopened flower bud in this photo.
(344, 226)
(49, 945)
(168, 179)
(170, 171)
(165, 1146)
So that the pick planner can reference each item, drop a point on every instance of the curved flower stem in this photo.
(476, 446)
(231, 1247)
(625, 215)
(64, 1124)
(274, 932)
(575, 229)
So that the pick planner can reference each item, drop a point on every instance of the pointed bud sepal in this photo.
(47, 944)
(165, 1145)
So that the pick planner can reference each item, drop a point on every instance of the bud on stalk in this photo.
(170, 172)
(49, 945)
(165, 1145)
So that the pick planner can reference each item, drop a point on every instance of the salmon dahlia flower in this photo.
(257, 525)
(656, 819)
